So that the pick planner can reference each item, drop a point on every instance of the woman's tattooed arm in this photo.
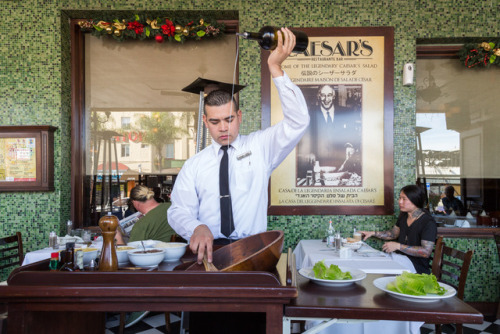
(419, 251)
(388, 235)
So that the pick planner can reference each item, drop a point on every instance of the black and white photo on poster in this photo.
(329, 154)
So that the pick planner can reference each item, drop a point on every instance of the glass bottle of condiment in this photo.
(69, 257)
(54, 261)
(108, 260)
(268, 38)
(330, 234)
(53, 240)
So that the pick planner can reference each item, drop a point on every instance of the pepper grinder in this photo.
(108, 260)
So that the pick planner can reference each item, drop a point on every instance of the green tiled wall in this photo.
(35, 89)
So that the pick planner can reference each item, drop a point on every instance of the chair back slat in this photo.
(451, 266)
(437, 258)
(11, 251)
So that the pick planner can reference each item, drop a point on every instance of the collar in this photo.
(236, 145)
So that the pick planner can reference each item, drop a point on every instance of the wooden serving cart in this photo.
(41, 301)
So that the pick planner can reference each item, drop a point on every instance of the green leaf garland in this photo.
(483, 55)
(144, 26)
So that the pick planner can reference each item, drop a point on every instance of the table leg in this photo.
(274, 319)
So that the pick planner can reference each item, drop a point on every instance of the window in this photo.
(169, 151)
(125, 123)
(125, 150)
(458, 129)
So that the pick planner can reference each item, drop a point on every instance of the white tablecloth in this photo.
(368, 259)
(38, 255)
(44, 253)
(371, 261)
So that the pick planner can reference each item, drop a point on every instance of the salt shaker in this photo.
(338, 241)
(53, 240)
(69, 227)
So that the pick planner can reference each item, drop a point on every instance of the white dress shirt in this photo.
(252, 158)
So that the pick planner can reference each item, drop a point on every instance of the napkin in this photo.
(462, 223)
(483, 214)
(345, 253)
(469, 215)
(68, 238)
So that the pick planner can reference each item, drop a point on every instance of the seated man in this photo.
(154, 223)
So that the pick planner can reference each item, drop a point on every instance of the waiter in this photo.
(203, 210)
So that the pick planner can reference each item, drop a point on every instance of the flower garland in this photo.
(160, 29)
(482, 55)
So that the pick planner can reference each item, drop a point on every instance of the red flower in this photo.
(168, 28)
(136, 26)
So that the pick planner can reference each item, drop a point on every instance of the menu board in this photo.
(17, 159)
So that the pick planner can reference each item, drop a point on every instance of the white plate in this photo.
(382, 282)
(357, 275)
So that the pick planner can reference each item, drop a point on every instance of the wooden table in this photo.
(363, 300)
(40, 301)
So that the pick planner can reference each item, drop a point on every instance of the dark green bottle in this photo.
(268, 38)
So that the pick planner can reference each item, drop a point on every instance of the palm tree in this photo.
(161, 127)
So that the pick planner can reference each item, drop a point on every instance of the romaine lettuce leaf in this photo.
(332, 273)
(416, 284)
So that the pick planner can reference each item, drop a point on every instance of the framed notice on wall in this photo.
(344, 162)
(27, 158)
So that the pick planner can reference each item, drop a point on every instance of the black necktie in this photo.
(226, 211)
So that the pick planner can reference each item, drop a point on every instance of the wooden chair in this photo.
(11, 255)
(11, 251)
(497, 240)
(446, 263)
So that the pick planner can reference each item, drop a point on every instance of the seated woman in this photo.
(154, 224)
(415, 230)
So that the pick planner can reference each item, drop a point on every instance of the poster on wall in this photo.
(344, 162)
(17, 159)
(27, 158)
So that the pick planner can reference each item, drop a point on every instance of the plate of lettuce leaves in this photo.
(332, 276)
(415, 287)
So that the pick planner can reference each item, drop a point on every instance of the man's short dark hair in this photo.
(219, 98)
(449, 191)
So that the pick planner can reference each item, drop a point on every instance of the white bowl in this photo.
(353, 245)
(122, 253)
(88, 254)
(173, 250)
(147, 243)
(152, 257)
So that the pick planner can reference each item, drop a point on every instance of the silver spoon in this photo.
(143, 247)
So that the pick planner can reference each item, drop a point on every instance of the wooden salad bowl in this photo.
(259, 252)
